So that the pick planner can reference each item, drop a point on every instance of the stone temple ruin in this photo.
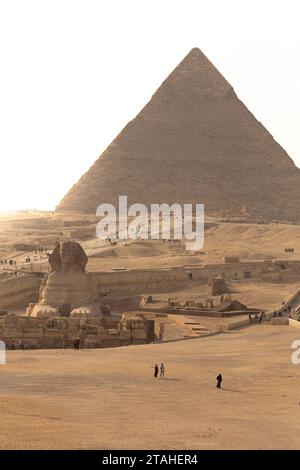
(67, 311)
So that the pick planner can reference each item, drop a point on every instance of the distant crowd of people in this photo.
(261, 317)
(10, 262)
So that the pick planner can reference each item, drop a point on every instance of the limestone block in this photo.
(138, 341)
(125, 342)
(91, 330)
(12, 332)
(49, 322)
(218, 286)
(31, 343)
(94, 321)
(11, 320)
(72, 332)
(52, 333)
(33, 332)
(32, 322)
(105, 337)
(125, 334)
(139, 334)
(110, 322)
(22, 322)
(110, 342)
(49, 343)
(91, 343)
(73, 321)
(113, 331)
(136, 323)
(38, 331)
(101, 330)
(60, 323)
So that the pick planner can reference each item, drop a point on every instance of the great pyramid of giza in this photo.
(194, 142)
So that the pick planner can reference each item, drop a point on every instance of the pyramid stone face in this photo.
(194, 142)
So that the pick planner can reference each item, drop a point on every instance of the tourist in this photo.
(156, 369)
(219, 381)
(162, 371)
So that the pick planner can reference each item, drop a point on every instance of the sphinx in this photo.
(67, 291)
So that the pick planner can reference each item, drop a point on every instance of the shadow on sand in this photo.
(166, 379)
(231, 390)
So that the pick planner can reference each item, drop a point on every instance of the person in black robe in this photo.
(219, 381)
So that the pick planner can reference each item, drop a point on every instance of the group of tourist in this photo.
(10, 262)
(40, 249)
(258, 317)
(160, 369)
(263, 317)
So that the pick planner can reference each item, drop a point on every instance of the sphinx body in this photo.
(67, 291)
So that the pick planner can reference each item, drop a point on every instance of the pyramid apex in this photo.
(194, 53)
(195, 50)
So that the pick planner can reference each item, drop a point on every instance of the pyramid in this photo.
(194, 142)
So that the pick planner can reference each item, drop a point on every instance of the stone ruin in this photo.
(218, 286)
(60, 332)
(67, 312)
(231, 259)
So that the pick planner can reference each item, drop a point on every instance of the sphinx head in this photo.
(68, 256)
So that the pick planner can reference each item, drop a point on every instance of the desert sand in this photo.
(107, 398)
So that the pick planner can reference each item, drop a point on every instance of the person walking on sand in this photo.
(219, 381)
(162, 371)
(156, 369)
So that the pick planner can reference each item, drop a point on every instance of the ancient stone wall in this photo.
(19, 291)
(120, 289)
(108, 285)
(61, 332)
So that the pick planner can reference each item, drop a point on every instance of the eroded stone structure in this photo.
(58, 332)
(67, 291)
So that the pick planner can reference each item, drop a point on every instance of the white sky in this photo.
(74, 72)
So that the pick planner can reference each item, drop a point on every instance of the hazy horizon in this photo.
(74, 74)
